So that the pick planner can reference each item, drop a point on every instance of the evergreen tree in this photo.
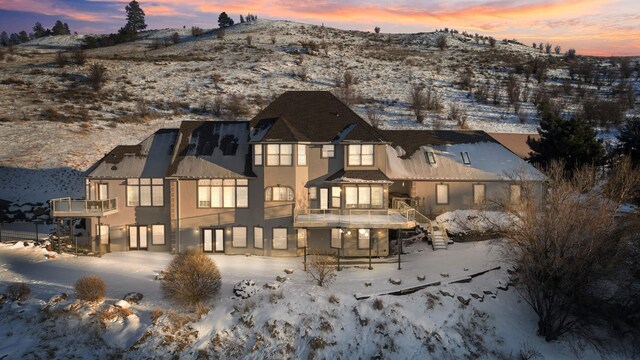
(38, 30)
(58, 28)
(241, 19)
(135, 17)
(629, 138)
(573, 142)
(4, 39)
(14, 39)
(66, 29)
(24, 37)
(224, 20)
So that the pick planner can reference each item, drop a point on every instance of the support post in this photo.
(339, 269)
(305, 258)
(370, 246)
(399, 250)
(37, 234)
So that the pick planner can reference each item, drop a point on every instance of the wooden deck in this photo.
(68, 208)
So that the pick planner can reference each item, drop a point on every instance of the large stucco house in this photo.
(305, 172)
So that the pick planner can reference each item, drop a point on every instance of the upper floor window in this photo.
(465, 158)
(442, 194)
(302, 155)
(223, 193)
(279, 154)
(145, 192)
(364, 196)
(257, 154)
(360, 155)
(278, 193)
(328, 151)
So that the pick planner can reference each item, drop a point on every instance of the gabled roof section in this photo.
(212, 149)
(411, 140)
(149, 159)
(314, 116)
(358, 176)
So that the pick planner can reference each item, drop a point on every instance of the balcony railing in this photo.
(66, 207)
(378, 218)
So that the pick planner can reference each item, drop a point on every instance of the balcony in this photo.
(66, 207)
(371, 218)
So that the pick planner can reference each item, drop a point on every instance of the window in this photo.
(479, 195)
(280, 238)
(336, 238)
(279, 154)
(465, 158)
(239, 236)
(515, 194)
(442, 194)
(431, 157)
(364, 238)
(302, 155)
(328, 151)
(302, 238)
(138, 236)
(335, 196)
(360, 155)
(364, 196)
(278, 193)
(102, 232)
(313, 193)
(257, 154)
(103, 191)
(258, 237)
(157, 235)
(145, 192)
(219, 193)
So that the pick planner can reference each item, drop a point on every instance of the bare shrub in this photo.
(97, 76)
(492, 42)
(236, 106)
(334, 299)
(302, 73)
(191, 279)
(249, 39)
(155, 315)
(220, 34)
(216, 106)
(441, 42)
(273, 39)
(18, 291)
(377, 30)
(196, 31)
(378, 304)
(457, 114)
(175, 38)
(61, 59)
(562, 243)
(418, 102)
(348, 95)
(321, 269)
(513, 89)
(90, 288)
(373, 115)
(79, 57)
(623, 182)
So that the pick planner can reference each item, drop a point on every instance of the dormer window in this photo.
(431, 157)
(360, 155)
(465, 158)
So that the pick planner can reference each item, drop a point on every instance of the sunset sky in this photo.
(596, 27)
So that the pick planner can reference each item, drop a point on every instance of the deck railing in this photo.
(384, 218)
(67, 207)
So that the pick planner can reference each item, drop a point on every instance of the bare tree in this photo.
(557, 49)
(97, 76)
(492, 42)
(374, 117)
(321, 269)
(236, 106)
(175, 38)
(418, 102)
(547, 48)
(441, 42)
(216, 106)
(79, 57)
(61, 59)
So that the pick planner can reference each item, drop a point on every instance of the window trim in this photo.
(222, 187)
(438, 202)
(333, 147)
(266, 163)
(233, 239)
(258, 156)
(484, 193)
(129, 183)
(273, 235)
(254, 237)
(358, 204)
(268, 193)
(99, 192)
(466, 160)
(360, 154)
(358, 240)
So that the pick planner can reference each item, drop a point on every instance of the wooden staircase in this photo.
(435, 230)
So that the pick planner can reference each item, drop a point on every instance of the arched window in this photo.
(278, 193)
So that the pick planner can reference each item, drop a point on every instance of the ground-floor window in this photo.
(302, 238)
(258, 237)
(102, 231)
(442, 194)
(479, 194)
(239, 236)
(336, 238)
(157, 235)
(280, 238)
(364, 238)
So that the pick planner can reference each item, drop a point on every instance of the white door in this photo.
(324, 198)
(219, 240)
(207, 240)
(103, 193)
(142, 234)
(138, 237)
(103, 234)
(133, 237)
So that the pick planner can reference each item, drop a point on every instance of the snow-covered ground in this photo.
(296, 320)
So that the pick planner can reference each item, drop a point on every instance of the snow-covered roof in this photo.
(489, 161)
(149, 159)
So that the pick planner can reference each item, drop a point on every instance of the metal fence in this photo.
(18, 231)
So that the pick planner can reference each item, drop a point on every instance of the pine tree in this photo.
(38, 30)
(241, 19)
(24, 37)
(629, 138)
(572, 141)
(224, 20)
(66, 29)
(135, 17)
(58, 28)
(4, 39)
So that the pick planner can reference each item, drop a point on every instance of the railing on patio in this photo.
(383, 218)
(66, 207)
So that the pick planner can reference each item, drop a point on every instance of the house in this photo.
(305, 172)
